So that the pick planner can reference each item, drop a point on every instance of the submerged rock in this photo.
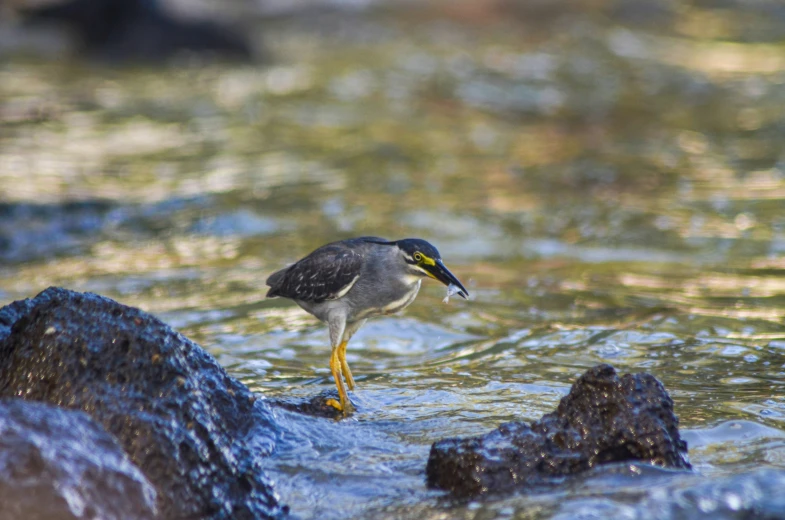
(197, 434)
(57, 463)
(315, 406)
(33, 231)
(140, 30)
(603, 419)
(754, 495)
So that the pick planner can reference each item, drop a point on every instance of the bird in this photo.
(345, 283)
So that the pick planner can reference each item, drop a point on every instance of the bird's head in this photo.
(423, 259)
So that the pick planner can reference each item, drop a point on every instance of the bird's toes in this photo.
(335, 404)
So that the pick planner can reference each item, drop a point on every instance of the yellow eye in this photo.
(417, 257)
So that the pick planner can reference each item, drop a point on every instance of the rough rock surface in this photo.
(315, 406)
(197, 434)
(603, 419)
(60, 464)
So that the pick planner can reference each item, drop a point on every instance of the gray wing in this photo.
(320, 276)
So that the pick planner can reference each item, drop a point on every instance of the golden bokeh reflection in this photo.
(609, 187)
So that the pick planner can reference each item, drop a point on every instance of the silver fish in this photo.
(451, 289)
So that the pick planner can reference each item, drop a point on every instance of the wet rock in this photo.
(603, 419)
(197, 434)
(11, 313)
(140, 30)
(315, 406)
(60, 464)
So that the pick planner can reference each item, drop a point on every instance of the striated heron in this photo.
(344, 283)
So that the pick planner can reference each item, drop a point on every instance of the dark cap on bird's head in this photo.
(424, 259)
(413, 245)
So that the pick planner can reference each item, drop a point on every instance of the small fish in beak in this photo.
(451, 289)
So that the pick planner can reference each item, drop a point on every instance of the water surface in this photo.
(609, 188)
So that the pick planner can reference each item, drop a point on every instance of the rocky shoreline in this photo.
(134, 420)
(604, 419)
(194, 432)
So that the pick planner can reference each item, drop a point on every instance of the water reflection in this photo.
(610, 191)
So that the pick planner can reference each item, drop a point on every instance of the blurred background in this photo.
(607, 177)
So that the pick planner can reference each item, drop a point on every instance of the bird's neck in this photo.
(410, 279)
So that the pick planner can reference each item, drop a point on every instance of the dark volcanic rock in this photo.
(603, 419)
(11, 313)
(315, 406)
(140, 30)
(197, 434)
(60, 464)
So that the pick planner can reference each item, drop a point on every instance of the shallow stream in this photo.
(610, 189)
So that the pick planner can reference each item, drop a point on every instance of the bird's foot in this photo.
(346, 408)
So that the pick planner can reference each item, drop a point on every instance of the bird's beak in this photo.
(440, 272)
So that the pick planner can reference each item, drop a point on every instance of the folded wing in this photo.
(326, 274)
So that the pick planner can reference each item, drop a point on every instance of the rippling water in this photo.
(609, 191)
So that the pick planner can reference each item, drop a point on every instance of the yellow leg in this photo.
(347, 374)
(335, 367)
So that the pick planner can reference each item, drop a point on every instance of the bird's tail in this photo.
(274, 281)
